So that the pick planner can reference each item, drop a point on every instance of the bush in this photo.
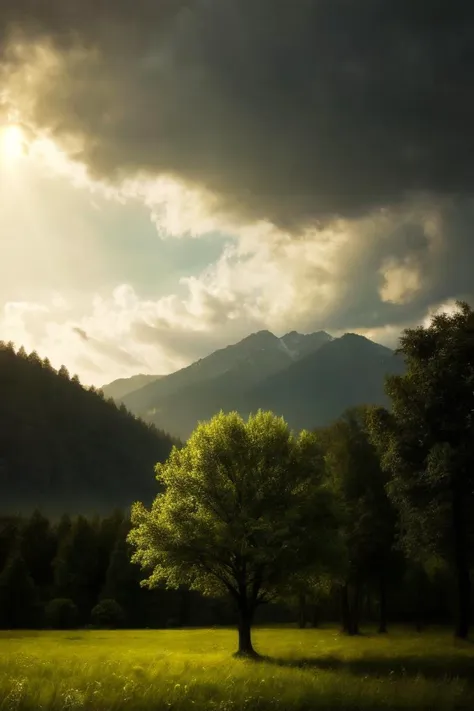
(61, 614)
(108, 613)
(173, 623)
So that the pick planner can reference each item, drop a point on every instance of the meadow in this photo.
(194, 669)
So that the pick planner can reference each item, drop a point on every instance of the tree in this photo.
(428, 443)
(18, 595)
(367, 519)
(244, 507)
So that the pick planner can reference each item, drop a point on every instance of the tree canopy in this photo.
(427, 442)
(244, 507)
(366, 516)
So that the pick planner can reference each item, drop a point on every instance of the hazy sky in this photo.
(177, 174)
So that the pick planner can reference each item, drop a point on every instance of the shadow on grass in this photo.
(430, 667)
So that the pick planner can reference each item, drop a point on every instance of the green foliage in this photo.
(61, 614)
(428, 445)
(428, 438)
(367, 518)
(108, 613)
(244, 507)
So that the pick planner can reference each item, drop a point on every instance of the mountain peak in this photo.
(260, 337)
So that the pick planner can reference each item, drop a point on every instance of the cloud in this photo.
(288, 112)
(81, 333)
(375, 275)
(331, 140)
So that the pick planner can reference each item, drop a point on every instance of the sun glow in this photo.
(12, 143)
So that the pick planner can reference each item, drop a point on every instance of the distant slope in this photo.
(66, 449)
(178, 401)
(309, 379)
(117, 389)
(239, 365)
(345, 372)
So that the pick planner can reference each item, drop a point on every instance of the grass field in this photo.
(193, 669)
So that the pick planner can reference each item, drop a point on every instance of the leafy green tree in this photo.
(367, 518)
(428, 444)
(18, 595)
(108, 613)
(244, 507)
(61, 614)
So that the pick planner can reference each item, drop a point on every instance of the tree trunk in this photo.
(462, 566)
(383, 605)
(302, 611)
(245, 631)
(345, 610)
(315, 616)
(369, 606)
(354, 612)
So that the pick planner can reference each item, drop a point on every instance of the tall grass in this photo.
(193, 669)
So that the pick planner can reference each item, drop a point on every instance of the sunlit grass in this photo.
(194, 669)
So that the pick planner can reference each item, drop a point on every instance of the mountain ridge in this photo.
(121, 387)
(308, 378)
(256, 346)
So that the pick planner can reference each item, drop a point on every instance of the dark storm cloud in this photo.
(291, 110)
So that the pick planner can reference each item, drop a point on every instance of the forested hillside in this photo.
(65, 448)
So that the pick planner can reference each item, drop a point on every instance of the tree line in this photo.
(55, 573)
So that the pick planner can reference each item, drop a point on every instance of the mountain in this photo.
(64, 448)
(219, 381)
(343, 373)
(309, 379)
(237, 366)
(117, 389)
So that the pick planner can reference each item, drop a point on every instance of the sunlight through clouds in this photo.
(12, 144)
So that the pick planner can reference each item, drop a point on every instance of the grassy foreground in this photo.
(193, 669)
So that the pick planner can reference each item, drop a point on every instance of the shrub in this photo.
(61, 614)
(108, 613)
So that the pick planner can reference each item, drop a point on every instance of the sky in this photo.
(177, 174)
